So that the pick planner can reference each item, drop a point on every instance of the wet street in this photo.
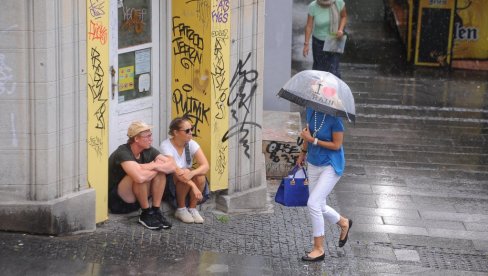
(416, 181)
(415, 185)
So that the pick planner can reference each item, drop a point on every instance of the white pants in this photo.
(321, 182)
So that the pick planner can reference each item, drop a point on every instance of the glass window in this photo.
(134, 75)
(134, 19)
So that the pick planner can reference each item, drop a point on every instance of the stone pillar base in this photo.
(71, 214)
(251, 200)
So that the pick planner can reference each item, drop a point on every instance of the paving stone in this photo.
(356, 199)
(368, 237)
(456, 234)
(478, 227)
(368, 267)
(393, 229)
(463, 217)
(374, 251)
(407, 255)
(367, 219)
(453, 225)
(380, 212)
(481, 245)
(344, 186)
(430, 242)
(374, 180)
(414, 206)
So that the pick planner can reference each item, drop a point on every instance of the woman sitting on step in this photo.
(188, 187)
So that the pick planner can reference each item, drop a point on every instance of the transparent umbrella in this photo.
(321, 91)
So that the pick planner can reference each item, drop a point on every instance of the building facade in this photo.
(75, 73)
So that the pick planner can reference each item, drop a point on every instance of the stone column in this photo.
(43, 187)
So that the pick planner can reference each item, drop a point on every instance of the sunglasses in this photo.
(187, 131)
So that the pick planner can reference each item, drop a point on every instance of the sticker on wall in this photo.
(143, 61)
(144, 82)
(126, 78)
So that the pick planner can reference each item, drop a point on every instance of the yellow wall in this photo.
(97, 92)
(200, 77)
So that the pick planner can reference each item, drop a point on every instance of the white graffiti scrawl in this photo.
(7, 86)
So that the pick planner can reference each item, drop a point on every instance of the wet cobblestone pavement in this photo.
(416, 186)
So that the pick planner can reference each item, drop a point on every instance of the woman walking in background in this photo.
(326, 18)
(324, 153)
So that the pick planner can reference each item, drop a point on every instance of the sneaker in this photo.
(196, 215)
(184, 216)
(150, 220)
(165, 224)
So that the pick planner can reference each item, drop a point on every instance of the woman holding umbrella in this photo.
(326, 18)
(324, 153)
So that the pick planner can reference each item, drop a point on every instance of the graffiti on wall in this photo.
(282, 152)
(219, 73)
(200, 87)
(98, 32)
(242, 91)
(133, 19)
(221, 13)
(7, 85)
(192, 107)
(281, 156)
(188, 45)
(96, 87)
(96, 8)
(97, 101)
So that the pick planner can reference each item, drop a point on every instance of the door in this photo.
(135, 68)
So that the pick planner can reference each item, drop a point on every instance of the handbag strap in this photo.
(187, 155)
(304, 173)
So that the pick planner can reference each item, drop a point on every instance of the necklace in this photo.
(316, 130)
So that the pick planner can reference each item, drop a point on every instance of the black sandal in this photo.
(343, 242)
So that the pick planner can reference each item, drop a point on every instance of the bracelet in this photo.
(315, 141)
(305, 43)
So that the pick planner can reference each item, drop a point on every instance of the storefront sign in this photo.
(471, 30)
(434, 32)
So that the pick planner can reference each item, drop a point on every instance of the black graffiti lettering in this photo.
(218, 79)
(299, 141)
(218, 69)
(221, 163)
(182, 30)
(96, 8)
(237, 129)
(191, 107)
(248, 77)
(96, 143)
(282, 151)
(189, 53)
(95, 86)
(244, 77)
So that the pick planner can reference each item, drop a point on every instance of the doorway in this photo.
(135, 70)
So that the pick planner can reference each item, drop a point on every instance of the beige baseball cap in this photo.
(137, 127)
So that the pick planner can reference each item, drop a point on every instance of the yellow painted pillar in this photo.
(97, 62)
(200, 77)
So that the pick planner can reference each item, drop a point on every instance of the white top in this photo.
(168, 149)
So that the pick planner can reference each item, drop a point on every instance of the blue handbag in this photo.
(293, 190)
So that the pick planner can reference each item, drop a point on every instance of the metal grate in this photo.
(446, 258)
(454, 261)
